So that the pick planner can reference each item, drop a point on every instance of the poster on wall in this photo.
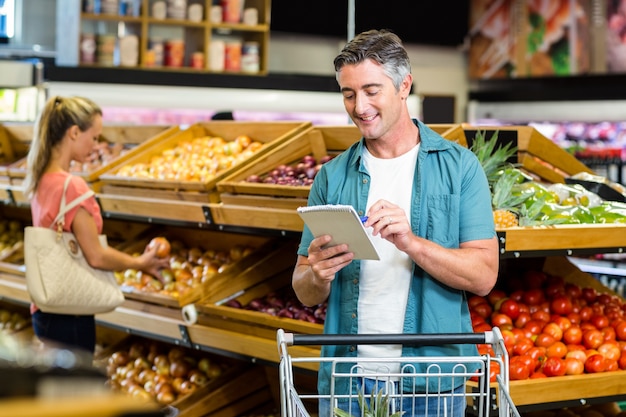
(537, 38)
(616, 36)
(492, 40)
(557, 37)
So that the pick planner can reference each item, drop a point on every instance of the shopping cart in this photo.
(482, 395)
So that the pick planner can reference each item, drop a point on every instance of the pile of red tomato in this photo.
(553, 328)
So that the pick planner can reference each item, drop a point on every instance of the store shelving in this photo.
(196, 37)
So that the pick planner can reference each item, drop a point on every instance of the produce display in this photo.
(283, 303)
(102, 154)
(190, 266)
(299, 174)
(11, 238)
(552, 327)
(520, 200)
(199, 159)
(147, 369)
(13, 320)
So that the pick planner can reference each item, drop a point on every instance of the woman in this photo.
(67, 130)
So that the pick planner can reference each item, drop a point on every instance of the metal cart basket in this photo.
(483, 379)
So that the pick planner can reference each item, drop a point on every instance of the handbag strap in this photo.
(59, 220)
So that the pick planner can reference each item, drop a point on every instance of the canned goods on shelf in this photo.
(105, 50)
(87, 48)
(174, 53)
(250, 57)
(232, 56)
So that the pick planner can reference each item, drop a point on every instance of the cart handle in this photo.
(433, 339)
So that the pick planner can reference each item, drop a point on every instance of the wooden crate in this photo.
(537, 154)
(254, 322)
(270, 134)
(131, 137)
(239, 384)
(264, 248)
(318, 141)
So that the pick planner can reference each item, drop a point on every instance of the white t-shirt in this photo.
(384, 284)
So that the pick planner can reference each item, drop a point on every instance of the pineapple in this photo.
(506, 203)
(501, 177)
(492, 159)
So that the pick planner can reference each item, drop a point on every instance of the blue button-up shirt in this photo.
(451, 204)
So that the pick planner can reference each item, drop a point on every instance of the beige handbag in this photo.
(58, 277)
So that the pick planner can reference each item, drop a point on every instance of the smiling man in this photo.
(428, 209)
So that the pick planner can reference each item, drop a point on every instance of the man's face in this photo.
(370, 98)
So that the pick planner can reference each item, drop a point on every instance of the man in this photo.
(429, 211)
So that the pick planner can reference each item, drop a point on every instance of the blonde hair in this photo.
(58, 115)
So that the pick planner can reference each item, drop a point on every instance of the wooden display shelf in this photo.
(103, 405)
(563, 238)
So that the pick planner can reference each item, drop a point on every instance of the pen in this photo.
(364, 219)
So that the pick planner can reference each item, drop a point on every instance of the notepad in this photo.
(344, 224)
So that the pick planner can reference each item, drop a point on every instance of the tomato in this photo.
(534, 326)
(533, 297)
(592, 338)
(563, 322)
(556, 350)
(573, 335)
(573, 291)
(541, 315)
(545, 340)
(577, 354)
(519, 368)
(510, 308)
(622, 362)
(610, 350)
(500, 320)
(554, 367)
(554, 290)
(494, 370)
(553, 330)
(535, 279)
(604, 299)
(574, 366)
(589, 294)
(600, 321)
(574, 318)
(609, 334)
(595, 363)
(537, 375)
(484, 310)
(482, 327)
(522, 346)
(474, 300)
(517, 295)
(524, 317)
(620, 330)
(538, 353)
(611, 365)
(585, 313)
(561, 305)
(495, 295)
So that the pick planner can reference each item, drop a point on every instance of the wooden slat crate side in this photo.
(205, 240)
(133, 135)
(233, 387)
(456, 134)
(535, 143)
(288, 203)
(260, 267)
(545, 172)
(271, 134)
(317, 141)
